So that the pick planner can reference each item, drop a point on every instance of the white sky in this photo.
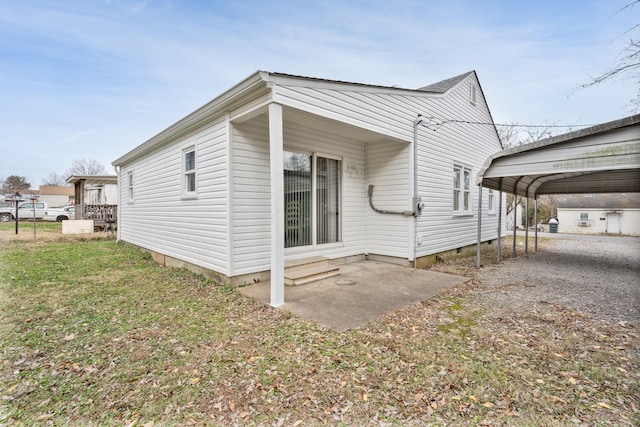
(95, 78)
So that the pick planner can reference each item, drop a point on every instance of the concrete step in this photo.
(302, 276)
(304, 263)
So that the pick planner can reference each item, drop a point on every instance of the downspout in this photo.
(417, 204)
(119, 192)
(500, 220)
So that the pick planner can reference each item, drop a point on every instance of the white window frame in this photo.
(314, 219)
(491, 202)
(186, 174)
(130, 185)
(473, 94)
(462, 191)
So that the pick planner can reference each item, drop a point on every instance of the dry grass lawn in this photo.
(93, 332)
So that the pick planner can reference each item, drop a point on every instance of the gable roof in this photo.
(259, 83)
(445, 85)
(599, 201)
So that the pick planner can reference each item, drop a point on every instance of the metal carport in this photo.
(599, 159)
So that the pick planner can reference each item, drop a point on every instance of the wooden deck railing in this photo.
(103, 216)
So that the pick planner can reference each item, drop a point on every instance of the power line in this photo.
(435, 123)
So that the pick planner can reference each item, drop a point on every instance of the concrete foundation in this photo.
(78, 226)
(265, 276)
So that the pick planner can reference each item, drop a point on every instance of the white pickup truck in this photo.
(25, 211)
(60, 214)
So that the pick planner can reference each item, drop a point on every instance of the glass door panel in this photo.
(297, 199)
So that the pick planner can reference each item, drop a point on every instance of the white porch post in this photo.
(500, 222)
(479, 243)
(276, 155)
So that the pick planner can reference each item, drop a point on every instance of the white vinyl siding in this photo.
(369, 129)
(388, 172)
(462, 202)
(189, 171)
(251, 196)
(193, 230)
(491, 203)
(130, 185)
(454, 143)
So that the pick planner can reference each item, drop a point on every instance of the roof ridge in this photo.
(444, 85)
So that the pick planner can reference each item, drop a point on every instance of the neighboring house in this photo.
(600, 213)
(282, 167)
(518, 216)
(55, 195)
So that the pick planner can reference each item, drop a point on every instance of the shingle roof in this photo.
(445, 85)
(599, 201)
(439, 87)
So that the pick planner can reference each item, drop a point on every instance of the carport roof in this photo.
(600, 159)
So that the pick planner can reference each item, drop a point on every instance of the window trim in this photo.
(186, 193)
(130, 185)
(461, 211)
(491, 202)
(314, 219)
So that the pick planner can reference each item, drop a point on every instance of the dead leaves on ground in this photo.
(181, 351)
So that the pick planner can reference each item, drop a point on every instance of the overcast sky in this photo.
(95, 78)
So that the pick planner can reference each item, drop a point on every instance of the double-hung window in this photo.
(492, 202)
(130, 185)
(462, 190)
(189, 171)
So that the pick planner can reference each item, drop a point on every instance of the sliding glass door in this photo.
(312, 198)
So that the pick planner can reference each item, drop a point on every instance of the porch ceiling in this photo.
(323, 124)
(93, 179)
(600, 159)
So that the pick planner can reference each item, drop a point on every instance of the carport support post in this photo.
(515, 227)
(535, 222)
(500, 221)
(526, 226)
(276, 157)
(479, 243)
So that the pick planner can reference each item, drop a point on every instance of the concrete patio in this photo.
(362, 292)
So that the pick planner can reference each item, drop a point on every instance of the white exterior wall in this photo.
(251, 198)
(439, 229)
(389, 172)
(569, 221)
(393, 115)
(55, 200)
(161, 219)
(227, 227)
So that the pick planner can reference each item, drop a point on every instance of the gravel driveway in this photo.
(597, 275)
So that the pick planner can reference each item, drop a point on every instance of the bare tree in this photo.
(627, 62)
(86, 167)
(508, 134)
(55, 179)
(513, 135)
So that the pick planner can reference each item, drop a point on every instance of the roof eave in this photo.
(196, 118)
